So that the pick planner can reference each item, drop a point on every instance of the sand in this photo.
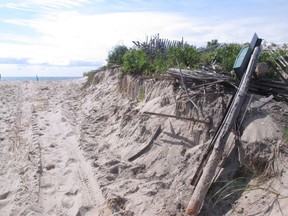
(42, 170)
(66, 151)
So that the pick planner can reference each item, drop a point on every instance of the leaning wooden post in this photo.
(220, 139)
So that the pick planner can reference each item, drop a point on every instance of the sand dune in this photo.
(67, 151)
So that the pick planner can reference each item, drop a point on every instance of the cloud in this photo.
(13, 61)
(69, 37)
(43, 4)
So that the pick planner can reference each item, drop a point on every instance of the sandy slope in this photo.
(67, 151)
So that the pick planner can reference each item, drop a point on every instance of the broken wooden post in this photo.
(220, 139)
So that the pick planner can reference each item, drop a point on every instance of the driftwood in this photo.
(148, 146)
(184, 85)
(263, 103)
(191, 76)
(177, 117)
(220, 139)
(262, 87)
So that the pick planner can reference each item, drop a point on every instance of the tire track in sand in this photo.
(67, 184)
(44, 172)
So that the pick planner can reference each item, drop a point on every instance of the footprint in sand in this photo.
(69, 134)
(53, 145)
(82, 211)
(4, 195)
(68, 199)
(47, 185)
(70, 161)
(50, 167)
(67, 202)
(67, 172)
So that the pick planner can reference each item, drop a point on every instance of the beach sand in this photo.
(42, 170)
(67, 151)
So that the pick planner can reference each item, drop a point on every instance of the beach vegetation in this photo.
(146, 61)
(225, 56)
(155, 57)
(136, 62)
(187, 56)
(271, 59)
(212, 43)
(141, 95)
(115, 56)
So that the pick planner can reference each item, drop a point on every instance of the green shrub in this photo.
(160, 64)
(212, 43)
(227, 55)
(136, 62)
(186, 55)
(207, 57)
(174, 55)
(270, 59)
(115, 57)
(190, 56)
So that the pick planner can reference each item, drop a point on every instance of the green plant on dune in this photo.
(141, 95)
(226, 55)
(115, 56)
(136, 62)
(152, 58)
(186, 55)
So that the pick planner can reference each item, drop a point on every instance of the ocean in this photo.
(35, 78)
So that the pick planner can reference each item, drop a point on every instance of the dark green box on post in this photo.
(244, 55)
(242, 61)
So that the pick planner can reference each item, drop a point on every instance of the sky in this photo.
(70, 37)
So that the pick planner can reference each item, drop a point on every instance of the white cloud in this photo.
(64, 37)
(44, 4)
(70, 36)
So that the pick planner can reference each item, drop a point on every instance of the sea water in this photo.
(35, 78)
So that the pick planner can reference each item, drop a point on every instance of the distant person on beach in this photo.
(37, 78)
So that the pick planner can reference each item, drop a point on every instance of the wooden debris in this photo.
(220, 139)
(148, 146)
(267, 87)
(177, 117)
(262, 87)
(191, 76)
(184, 85)
(263, 103)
